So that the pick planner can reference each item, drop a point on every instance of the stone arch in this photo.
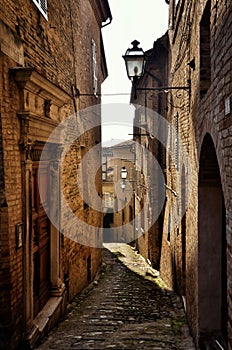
(212, 274)
(183, 229)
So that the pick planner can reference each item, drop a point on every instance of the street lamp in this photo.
(135, 62)
(123, 177)
(135, 66)
(123, 185)
(123, 173)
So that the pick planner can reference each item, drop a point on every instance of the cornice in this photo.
(101, 10)
(27, 78)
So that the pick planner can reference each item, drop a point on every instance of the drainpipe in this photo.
(108, 12)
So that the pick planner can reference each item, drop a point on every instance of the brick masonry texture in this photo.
(198, 55)
(199, 114)
(59, 51)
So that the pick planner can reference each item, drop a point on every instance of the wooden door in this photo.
(41, 236)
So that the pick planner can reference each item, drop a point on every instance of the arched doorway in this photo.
(183, 230)
(212, 263)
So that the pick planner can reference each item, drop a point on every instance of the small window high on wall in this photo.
(42, 6)
(176, 140)
(94, 57)
(205, 61)
(169, 146)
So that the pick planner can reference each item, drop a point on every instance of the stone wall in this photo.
(11, 212)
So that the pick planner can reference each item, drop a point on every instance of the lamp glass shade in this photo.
(134, 66)
(123, 185)
(123, 173)
(134, 61)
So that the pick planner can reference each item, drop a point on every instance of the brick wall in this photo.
(11, 213)
(149, 243)
(60, 49)
(200, 58)
(196, 38)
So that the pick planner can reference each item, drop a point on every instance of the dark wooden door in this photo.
(41, 236)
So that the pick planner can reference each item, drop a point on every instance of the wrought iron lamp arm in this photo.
(161, 88)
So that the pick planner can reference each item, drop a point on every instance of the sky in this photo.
(143, 20)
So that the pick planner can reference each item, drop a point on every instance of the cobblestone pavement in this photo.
(127, 307)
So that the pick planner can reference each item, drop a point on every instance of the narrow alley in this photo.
(126, 307)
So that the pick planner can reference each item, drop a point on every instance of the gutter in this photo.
(109, 14)
(106, 24)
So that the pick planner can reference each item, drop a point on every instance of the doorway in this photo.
(41, 237)
(212, 262)
(183, 231)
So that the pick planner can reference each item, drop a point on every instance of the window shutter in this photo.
(169, 145)
(176, 140)
(42, 6)
(94, 56)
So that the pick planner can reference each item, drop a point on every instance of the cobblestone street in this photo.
(127, 307)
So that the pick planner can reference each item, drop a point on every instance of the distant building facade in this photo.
(119, 202)
(49, 54)
(195, 257)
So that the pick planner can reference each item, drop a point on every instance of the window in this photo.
(94, 57)
(108, 199)
(110, 172)
(84, 181)
(42, 6)
(205, 57)
(169, 228)
(169, 146)
(104, 177)
(176, 140)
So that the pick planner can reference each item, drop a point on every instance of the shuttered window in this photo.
(176, 140)
(169, 145)
(94, 57)
(42, 6)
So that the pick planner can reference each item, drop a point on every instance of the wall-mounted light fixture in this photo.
(123, 185)
(124, 174)
(135, 63)
(145, 134)
(123, 177)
